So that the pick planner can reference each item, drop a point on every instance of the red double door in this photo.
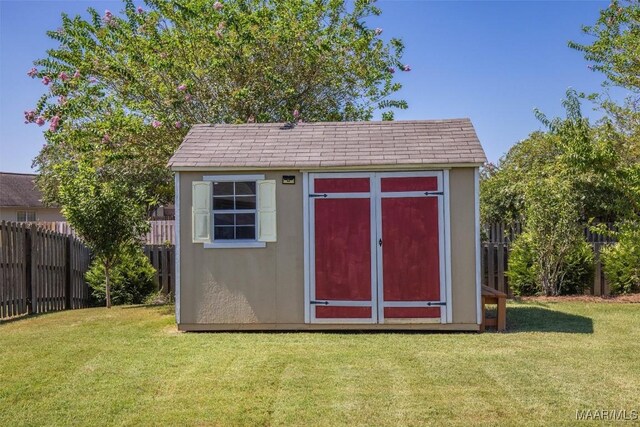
(377, 248)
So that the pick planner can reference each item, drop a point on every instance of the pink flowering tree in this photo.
(123, 87)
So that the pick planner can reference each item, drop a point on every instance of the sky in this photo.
(491, 61)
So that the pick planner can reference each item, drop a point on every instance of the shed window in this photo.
(234, 210)
(26, 216)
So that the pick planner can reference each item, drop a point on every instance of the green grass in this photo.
(129, 366)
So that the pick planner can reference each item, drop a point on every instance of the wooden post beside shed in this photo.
(493, 296)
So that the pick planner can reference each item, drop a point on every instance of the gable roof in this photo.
(19, 189)
(313, 145)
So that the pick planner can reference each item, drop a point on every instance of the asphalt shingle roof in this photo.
(18, 189)
(310, 145)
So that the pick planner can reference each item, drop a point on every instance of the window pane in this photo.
(21, 216)
(245, 233)
(223, 219)
(245, 202)
(223, 188)
(31, 216)
(223, 203)
(223, 233)
(246, 219)
(245, 187)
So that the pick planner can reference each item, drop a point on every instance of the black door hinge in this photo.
(434, 193)
(317, 195)
(320, 302)
(430, 304)
(380, 242)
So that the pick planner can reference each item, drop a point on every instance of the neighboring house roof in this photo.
(309, 145)
(19, 190)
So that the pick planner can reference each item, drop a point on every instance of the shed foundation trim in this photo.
(221, 327)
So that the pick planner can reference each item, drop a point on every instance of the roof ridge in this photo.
(360, 122)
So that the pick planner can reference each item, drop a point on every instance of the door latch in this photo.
(317, 195)
(434, 193)
(319, 302)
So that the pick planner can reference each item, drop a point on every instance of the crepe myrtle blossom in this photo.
(62, 100)
(40, 121)
(106, 138)
(46, 80)
(108, 16)
(76, 74)
(182, 87)
(140, 9)
(391, 70)
(406, 68)
(53, 126)
(296, 114)
(32, 72)
(187, 97)
(178, 125)
(218, 6)
(29, 116)
(63, 76)
(377, 31)
(156, 124)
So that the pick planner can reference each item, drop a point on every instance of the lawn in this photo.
(129, 366)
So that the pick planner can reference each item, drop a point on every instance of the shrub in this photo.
(524, 271)
(621, 261)
(132, 278)
(579, 269)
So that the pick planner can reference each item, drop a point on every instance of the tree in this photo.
(138, 80)
(615, 52)
(555, 182)
(552, 223)
(106, 212)
(590, 158)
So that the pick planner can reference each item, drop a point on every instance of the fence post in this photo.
(33, 272)
(27, 262)
(68, 273)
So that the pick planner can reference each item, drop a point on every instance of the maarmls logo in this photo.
(606, 415)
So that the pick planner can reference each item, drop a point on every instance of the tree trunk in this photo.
(107, 287)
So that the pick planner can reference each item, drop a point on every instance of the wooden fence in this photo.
(496, 245)
(162, 258)
(160, 233)
(40, 270)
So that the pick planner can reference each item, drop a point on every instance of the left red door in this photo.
(342, 229)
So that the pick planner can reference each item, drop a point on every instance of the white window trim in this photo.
(237, 244)
(230, 244)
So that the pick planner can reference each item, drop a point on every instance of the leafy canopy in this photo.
(589, 159)
(136, 81)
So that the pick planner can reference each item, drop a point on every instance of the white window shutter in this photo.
(201, 195)
(267, 210)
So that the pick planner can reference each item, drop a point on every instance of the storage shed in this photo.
(349, 225)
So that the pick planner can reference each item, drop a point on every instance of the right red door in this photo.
(410, 247)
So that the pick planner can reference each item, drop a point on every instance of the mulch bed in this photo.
(630, 298)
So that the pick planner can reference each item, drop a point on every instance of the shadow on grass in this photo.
(539, 319)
